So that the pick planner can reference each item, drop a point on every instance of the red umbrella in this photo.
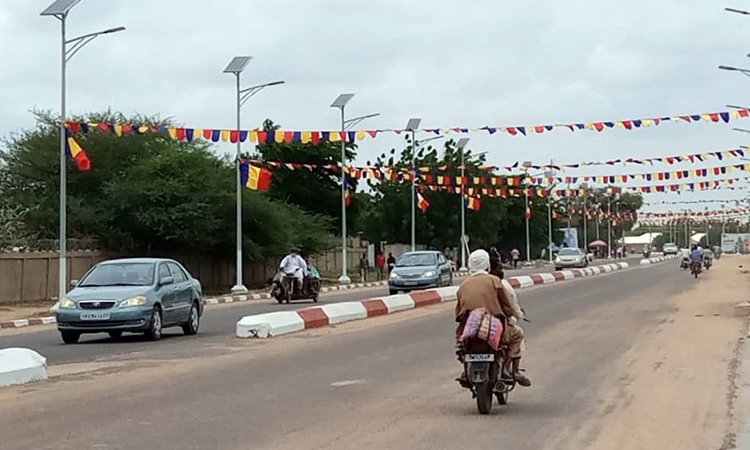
(598, 244)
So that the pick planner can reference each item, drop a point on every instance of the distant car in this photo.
(138, 295)
(420, 270)
(671, 249)
(570, 257)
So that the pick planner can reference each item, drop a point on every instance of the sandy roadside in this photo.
(675, 388)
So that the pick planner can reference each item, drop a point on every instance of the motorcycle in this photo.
(487, 372)
(284, 287)
(685, 263)
(707, 263)
(695, 269)
(646, 254)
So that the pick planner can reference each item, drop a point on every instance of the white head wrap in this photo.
(479, 262)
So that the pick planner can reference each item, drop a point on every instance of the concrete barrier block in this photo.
(269, 324)
(344, 312)
(399, 302)
(21, 365)
(568, 274)
(447, 294)
(524, 281)
(547, 278)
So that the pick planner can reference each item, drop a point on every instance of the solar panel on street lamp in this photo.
(238, 64)
(342, 100)
(59, 8)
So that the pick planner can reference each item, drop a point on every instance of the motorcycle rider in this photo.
(483, 290)
(295, 265)
(696, 255)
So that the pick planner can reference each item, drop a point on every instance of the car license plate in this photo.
(410, 283)
(95, 316)
(486, 357)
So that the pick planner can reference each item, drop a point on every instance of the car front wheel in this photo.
(191, 326)
(70, 337)
(155, 326)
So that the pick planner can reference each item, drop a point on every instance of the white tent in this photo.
(644, 239)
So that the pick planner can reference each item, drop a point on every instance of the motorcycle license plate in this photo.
(479, 357)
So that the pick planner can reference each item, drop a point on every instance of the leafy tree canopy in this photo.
(499, 222)
(147, 194)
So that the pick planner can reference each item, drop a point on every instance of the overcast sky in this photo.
(450, 62)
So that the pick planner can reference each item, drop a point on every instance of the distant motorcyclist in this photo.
(483, 290)
(696, 255)
(294, 265)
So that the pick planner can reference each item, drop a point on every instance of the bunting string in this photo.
(314, 137)
(737, 152)
(432, 175)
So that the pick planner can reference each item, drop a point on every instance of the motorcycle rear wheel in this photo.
(484, 397)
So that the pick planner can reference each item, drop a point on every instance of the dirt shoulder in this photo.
(675, 388)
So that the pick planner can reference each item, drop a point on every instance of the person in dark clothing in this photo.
(391, 262)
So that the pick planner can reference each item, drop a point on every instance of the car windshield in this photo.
(416, 259)
(569, 252)
(670, 245)
(120, 274)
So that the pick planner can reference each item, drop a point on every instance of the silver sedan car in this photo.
(570, 258)
(137, 295)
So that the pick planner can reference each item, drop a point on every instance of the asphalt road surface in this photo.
(383, 383)
(217, 323)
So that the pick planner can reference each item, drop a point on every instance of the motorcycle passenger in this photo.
(294, 265)
(483, 290)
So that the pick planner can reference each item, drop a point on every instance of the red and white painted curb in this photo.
(658, 259)
(284, 322)
(267, 296)
(22, 323)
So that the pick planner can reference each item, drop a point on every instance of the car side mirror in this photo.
(73, 283)
(165, 281)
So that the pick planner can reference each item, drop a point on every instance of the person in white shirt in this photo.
(295, 265)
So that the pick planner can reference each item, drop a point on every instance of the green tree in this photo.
(314, 188)
(500, 221)
(148, 194)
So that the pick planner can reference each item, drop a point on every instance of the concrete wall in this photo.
(33, 276)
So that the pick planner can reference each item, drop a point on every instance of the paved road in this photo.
(218, 323)
(384, 383)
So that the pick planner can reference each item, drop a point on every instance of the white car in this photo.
(671, 248)
(570, 257)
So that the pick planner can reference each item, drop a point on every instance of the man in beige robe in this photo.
(482, 290)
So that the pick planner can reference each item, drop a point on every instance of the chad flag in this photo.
(422, 203)
(76, 152)
(253, 177)
(472, 203)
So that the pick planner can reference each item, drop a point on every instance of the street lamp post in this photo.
(737, 11)
(236, 66)
(340, 103)
(461, 145)
(69, 47)
(609, 226)
(549, 227)
(745, 72)
(413, 126)
(548, 174)
(585, 188)
(526, 166)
